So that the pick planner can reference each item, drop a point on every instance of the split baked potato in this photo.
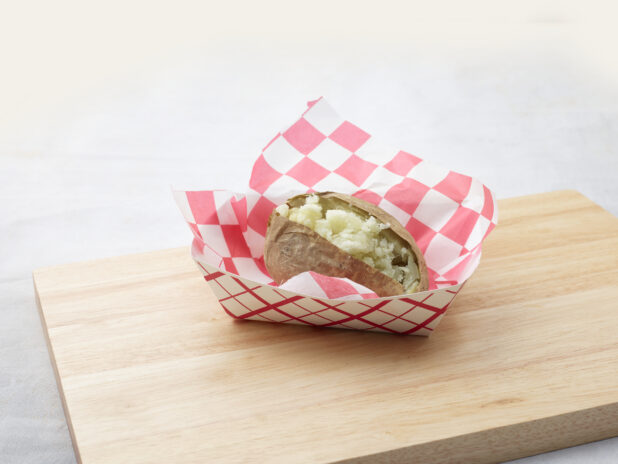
(343, 236)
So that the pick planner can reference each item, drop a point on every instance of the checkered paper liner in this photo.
(448, 214)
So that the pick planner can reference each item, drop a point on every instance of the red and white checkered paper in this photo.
(448, 214)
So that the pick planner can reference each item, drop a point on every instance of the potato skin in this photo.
(292, 248)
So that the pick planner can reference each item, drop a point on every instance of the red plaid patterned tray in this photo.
(448, 214)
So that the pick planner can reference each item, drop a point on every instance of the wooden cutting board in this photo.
(151, 370)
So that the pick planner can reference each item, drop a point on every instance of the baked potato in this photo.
(343, 236)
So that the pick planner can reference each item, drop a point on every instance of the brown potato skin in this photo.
(293, 248)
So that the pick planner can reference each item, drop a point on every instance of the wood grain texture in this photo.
(526, 360)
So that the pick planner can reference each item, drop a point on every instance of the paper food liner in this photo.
(448, 214)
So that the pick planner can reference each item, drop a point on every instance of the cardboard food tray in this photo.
(449, 214)
(151, 370)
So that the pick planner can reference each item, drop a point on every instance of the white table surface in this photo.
(88, 175)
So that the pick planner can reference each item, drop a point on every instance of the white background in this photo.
(104, 106)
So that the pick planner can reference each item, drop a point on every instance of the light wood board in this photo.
(151, 370)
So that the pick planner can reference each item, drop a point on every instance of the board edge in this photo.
(52, 359)
(497, 445)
